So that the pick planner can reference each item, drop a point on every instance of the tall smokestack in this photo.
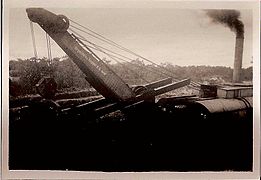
(230, 18)
(238, 59)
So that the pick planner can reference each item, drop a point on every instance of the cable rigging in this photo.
(111, 54)
(102, 38)
(120, 47)
(116, 55)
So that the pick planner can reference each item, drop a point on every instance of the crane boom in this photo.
(98, 74)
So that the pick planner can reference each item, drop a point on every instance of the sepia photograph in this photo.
(131, 89)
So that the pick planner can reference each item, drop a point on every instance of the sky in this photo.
(178, 36)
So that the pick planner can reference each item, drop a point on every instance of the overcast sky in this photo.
(180, 36)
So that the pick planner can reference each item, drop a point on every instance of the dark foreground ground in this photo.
(145, 138)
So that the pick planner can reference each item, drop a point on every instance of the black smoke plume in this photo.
(229, 18)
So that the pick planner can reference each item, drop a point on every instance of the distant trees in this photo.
(68, 75)
(26, 73)
(247, 74)
(29, 72)
(136, 72)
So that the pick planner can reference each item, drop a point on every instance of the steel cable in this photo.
(102, 38)
(33, 39)
(122, 56)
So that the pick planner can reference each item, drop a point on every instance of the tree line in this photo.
(25, 73)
